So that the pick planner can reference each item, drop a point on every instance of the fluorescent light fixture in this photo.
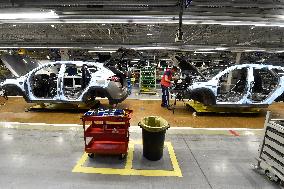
(280, 51)
(205, 49)
(95, 51)
(98, 47)
(156, 48)
(43, 47)
(236, 23)
(149, 34)
(149, 48)
(28, 15)
(255, 50)
(204, 52)
(217, 48)
(221, 48)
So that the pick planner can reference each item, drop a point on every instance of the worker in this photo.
(166, 82)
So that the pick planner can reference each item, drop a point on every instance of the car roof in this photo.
(74, 62)
(255, 66)
(247, 65)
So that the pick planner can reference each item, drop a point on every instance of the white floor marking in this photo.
(131, 128)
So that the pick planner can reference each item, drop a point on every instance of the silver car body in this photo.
(247, 97)
(99, 81)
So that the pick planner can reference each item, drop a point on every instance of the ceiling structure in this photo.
(235, 25)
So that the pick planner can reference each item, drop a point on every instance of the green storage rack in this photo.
(147, 82)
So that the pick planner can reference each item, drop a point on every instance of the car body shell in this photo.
(246, 100)
(99, 81)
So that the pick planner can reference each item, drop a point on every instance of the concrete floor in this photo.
(44, 156)
(15, 111)
(41, 149)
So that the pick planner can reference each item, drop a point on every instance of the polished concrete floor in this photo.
(44, 149)
(15, 111)
(34, 156)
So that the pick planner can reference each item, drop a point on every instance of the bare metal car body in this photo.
(241, 85)
(70, 82)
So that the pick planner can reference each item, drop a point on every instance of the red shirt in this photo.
(168, 73)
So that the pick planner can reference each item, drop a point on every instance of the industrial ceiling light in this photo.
(28, 15)
(149, 48)
(98, 51)
(204, 52)
(221, 48)
(213, 49)
(254, 50)
(205, 49)
(37, 47)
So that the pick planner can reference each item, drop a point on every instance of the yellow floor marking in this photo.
(128, 170)
(174, 159)
(130, 153)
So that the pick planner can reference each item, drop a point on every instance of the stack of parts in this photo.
(105, 112)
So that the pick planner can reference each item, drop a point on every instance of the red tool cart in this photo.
(106, 134)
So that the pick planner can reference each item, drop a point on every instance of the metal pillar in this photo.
(64, 54)
(238, 57)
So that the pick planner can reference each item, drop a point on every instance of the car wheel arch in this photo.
(203, 95)
(17, 89)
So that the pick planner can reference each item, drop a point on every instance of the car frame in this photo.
(209, 93)
(102, 82)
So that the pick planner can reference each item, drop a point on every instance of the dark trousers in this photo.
(165, 96)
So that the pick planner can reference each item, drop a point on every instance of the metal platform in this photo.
(201, 108)
(63, 106)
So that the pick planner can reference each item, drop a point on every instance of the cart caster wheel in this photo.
(277, 179)
(269, 175)
(122, 156)
(92, 155)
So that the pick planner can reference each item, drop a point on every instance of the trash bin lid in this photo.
(154, 124)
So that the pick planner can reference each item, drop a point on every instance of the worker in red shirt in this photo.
(166, 82)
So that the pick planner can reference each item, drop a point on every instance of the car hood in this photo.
(19, 65)
(186, 66)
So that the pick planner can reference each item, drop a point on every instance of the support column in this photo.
(238, 57)
(64, 54)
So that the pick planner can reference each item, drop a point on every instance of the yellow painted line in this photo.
(80, 163)
(130, 155)
(176, 172)
(174, 159)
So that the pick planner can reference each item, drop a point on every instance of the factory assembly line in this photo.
(142, 94)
